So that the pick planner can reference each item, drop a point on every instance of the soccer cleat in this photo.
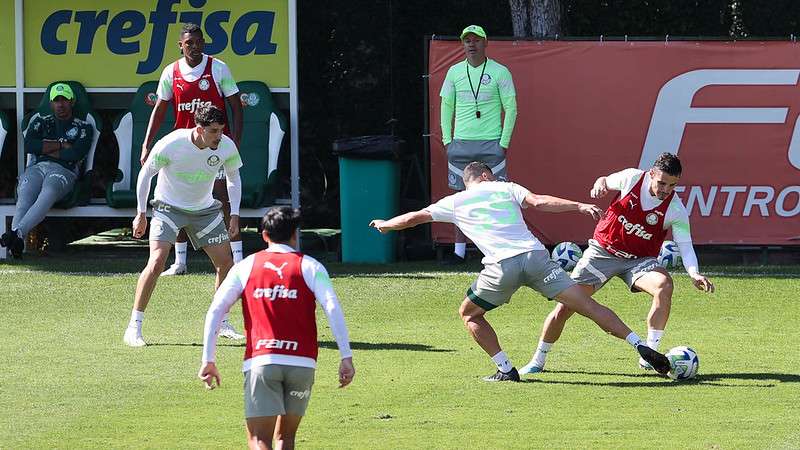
(17, 246)
(511, 375)
(659, 362)
(226, 330)
(453, 260)
(644, 364)
(6, 239)
(133, 337)
(175, 269)
(530, 369)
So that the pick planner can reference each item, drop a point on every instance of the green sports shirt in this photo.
(496, 95)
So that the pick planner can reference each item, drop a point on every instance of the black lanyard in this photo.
(474, 92)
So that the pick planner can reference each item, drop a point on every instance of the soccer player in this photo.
(488, 212)
(279, 288)
(626, 243)
(478, 92)
(187, 161)
(198, 79)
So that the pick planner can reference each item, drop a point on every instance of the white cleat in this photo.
(133, 337)
(175, 269)
(530, 369)
(226, 330)
(644, 364)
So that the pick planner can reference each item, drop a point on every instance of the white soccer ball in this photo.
(567, 255)
(684, 363)
(669, 255)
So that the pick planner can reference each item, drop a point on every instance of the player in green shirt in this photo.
(480, 93)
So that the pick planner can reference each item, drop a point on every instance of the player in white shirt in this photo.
(489, 213)
(187, 161)
(647, 203)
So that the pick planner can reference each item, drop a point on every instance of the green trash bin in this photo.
(369, 189)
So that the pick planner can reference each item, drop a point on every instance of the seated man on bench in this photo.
(58, 143)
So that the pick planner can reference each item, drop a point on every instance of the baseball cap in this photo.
(474, 29)
(63, 90)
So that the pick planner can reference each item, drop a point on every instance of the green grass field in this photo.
(69, 382)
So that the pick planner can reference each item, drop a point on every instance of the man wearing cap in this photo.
(480, 93)
(58, 143)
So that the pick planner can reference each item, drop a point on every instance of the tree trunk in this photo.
(545, 18)
(519, 17)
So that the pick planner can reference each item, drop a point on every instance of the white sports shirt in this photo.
(223, 78)
(316, 278)
(677, 217)
(187, 172)
(489, 213)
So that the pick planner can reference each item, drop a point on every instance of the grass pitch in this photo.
(69, 382)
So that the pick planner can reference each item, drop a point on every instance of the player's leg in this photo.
(221, 194)
(28, 189)
(657, 282)
(551, 331)
(495, 285)
(577, 300)
(208, 232)
(181, 248)
(159, 251)
(297, 385)
(260, 431)
(286, 431)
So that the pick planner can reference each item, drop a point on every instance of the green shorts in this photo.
(498, 281)
(597, 266)
(204, 228)
(276, 389)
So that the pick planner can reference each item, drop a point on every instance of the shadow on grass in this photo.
(387, 346)
(654, 380)
(328, 345)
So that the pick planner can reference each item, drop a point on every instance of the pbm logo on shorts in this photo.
(552, 275)
(275, 292)
(635, 229)
(276, 343)
(213, 160)
(651, 219)
(300, 394)
(192, 105)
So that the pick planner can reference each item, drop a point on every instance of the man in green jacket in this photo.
(480, 93)
(59, 142)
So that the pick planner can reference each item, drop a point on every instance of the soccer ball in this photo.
(670, 255)
(684, 362)
(566, 254)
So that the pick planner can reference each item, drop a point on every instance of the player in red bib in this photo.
(280, 289)
(626, 243)
(194, 80)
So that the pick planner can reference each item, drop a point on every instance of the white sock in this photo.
(541, 353)
(461, 250)
(654, 338)
(137, 317)
(225, 317)
(236, 249)
(633, 339)
(502, 361)
(180, 253)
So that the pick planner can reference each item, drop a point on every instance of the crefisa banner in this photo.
(124, 44)
(729, 110)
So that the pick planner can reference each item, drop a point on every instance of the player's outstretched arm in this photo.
(402, 222)
(548, 203)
